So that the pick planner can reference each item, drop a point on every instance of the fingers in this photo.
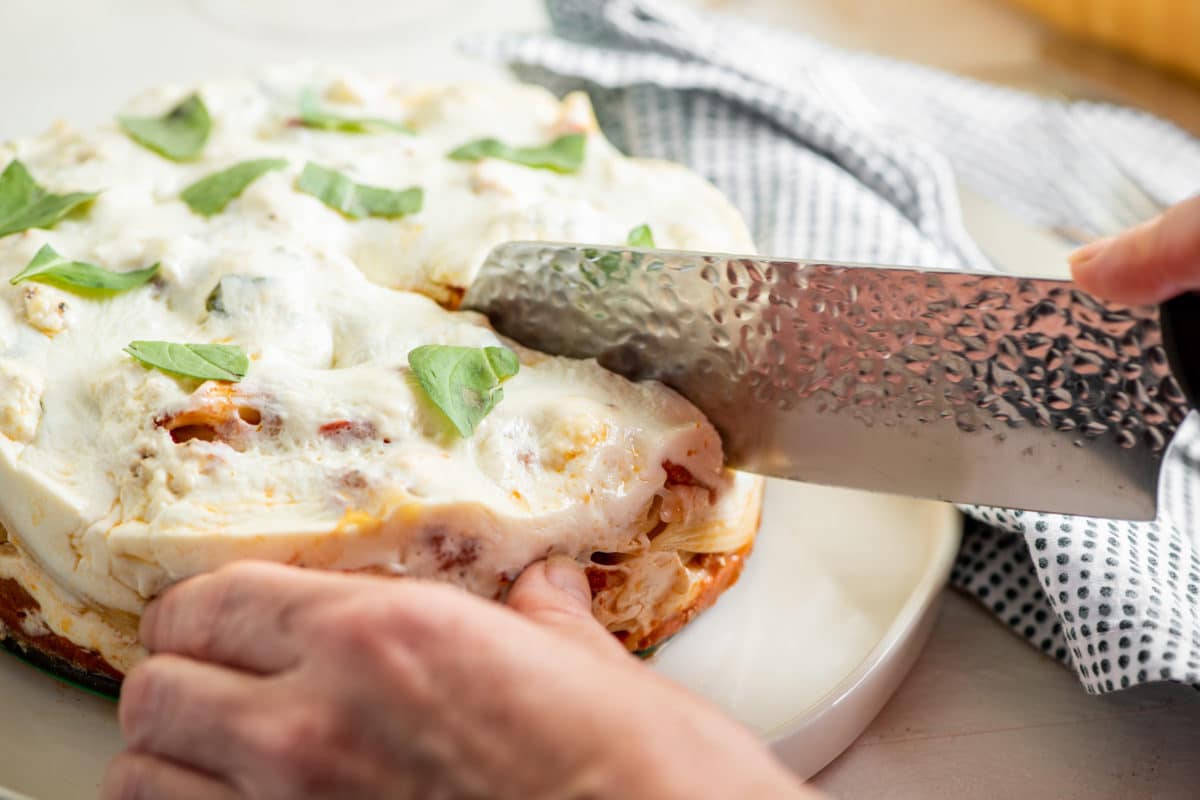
(555, 594)
(187, 712)
(136, 776)
(1147, 264)
(242, 615)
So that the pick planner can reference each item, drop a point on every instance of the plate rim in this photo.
(851, 705)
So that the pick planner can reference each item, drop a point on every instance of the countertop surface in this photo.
(982, 714)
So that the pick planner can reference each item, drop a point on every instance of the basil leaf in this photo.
(564, 154)
(602, 267)
(217, 362)
(311, 116)
(640, 237)
(464, 382)
(210, 195)
(179, 134)
(356, 200)
(48, 266)
(598, 269)
(25, 205)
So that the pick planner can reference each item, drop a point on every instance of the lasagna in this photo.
(211, 308)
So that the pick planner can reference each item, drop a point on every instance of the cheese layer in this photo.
(116, 480)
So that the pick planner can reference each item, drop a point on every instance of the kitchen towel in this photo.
(840, 155)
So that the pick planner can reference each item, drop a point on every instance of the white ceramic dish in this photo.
(833, 608)
(835, 604)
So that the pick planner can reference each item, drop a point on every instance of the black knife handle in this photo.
(1180, 320)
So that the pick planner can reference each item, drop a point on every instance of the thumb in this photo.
(555, 594)
(1148, 264)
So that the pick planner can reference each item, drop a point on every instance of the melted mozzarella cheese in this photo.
(116, 480)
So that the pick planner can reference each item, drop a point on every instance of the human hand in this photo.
(1148, 264)
(269, 681)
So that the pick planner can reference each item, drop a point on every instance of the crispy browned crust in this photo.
(452, 297)
(712, 574)
(717, 571)
(709, 575)
(51, 651)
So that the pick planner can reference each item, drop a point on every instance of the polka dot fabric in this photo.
(831, 154)
(994, 566)
(1124, 594)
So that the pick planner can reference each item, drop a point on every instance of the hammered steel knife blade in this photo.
(975, 388)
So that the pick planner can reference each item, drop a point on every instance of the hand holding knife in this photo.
(974, 388)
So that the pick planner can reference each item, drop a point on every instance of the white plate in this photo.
(831, 611)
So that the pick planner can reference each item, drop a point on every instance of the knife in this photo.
(974, 388)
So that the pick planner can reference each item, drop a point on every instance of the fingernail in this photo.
(562, 572)
(1090, 254)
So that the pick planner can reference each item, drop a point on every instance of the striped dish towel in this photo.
(838, 155)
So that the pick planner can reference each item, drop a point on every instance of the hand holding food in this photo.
(232, 333)
(272, 682)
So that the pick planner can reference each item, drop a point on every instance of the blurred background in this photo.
(1140, 52)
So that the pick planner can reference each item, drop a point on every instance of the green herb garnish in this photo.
(217, 362)
(211, 194)
(48, 266)
(179, 134)
(311, 116)
(464, 382)
(564, 154)
(24, 204)
(357, 200)
(640, 237)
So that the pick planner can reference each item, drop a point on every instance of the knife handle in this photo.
(1180, 320)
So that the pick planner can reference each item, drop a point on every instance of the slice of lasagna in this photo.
(322, 228)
